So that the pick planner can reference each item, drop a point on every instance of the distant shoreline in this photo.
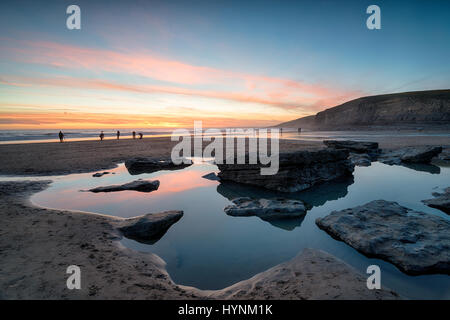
(305, 134)
(55, 158)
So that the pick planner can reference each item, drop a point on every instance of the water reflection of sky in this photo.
(211, 250)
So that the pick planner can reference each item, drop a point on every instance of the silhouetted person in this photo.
(141, 135)
(102, 135)
(118, 134)
(134, 134)
(61, 136)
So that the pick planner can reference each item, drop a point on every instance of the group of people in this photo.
(102, 135)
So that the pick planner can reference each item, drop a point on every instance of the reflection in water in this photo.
(312, 197)
(211, 250)
(430, 168)
(286, 224)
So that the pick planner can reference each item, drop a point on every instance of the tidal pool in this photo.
(210, 250)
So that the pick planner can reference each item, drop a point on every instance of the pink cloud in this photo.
(182, 77)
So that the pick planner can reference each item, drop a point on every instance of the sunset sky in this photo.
(154, 64)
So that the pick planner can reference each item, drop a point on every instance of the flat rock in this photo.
(100, 174)
(137, 185)
(297, 170)
(148, 165)
(444, 156)
(416, 242)
(311, 275)
(441, 201)
(354, 146)
(266, 209)
(419, 154)
(149, 228)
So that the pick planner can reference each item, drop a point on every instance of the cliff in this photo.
(398, 110)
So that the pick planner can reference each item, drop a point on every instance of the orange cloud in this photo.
(79, 120)
(273, 99)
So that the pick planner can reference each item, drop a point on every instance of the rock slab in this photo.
(416, 242)
(137, 185)
(353, 146)
(297, 170)
(419, 154)
(151, 227)
(266, 209)
(148, 165)
(100, 174)
(441, 201)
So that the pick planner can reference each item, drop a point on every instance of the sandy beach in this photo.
(85, 156)
(44, 242)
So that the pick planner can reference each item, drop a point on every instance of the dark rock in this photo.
(441, 202)
(362, 153)
(419, 154)
(312, 197)
(297, 170)
(211, 176)
(100, 174)
(423, 167)
(149, 165)
(354, 146)
(151, 227)
(416, 242)
(266, 209)
(444, 156)
(138, 185)
(360, 159)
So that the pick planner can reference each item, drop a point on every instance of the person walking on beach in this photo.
(141, 135)
(102, 135)
(134, 134)
(118, 134)
(61, 136)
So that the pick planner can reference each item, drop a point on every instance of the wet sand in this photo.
(86, 156)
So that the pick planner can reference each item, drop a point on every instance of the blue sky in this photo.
(224, 62)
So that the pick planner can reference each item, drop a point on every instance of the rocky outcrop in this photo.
(362, 153)
(418, 154)
(312, 275)
(149, 228)
(266, 209)
(354, 146)
(297, 170)
(150, 165)
(441, 201)
(313, 197)
(408, 109)
(416, 242)
(138, 185)
(444, 156)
